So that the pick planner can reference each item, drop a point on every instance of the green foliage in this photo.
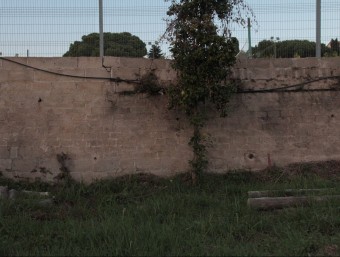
(334, 48)
(64, 175)
(287, 49)
(149, 84)
(115, 44)
(203, 53)
(155, 52)
(142, 215)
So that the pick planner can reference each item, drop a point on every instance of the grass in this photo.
(143, 215)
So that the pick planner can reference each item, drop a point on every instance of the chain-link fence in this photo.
(283, 28)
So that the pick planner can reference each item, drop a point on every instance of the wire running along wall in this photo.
(46, 28)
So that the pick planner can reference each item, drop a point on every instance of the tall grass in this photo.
(143, 215)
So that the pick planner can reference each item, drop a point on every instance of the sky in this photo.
(48, 27)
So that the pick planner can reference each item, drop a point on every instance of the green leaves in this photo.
(203, 53)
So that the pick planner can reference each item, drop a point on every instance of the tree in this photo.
(155, 52)
(115, 44)
(334, 47)
(203, 52)
(287, 49)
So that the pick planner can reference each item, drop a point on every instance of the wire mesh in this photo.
(47, 28)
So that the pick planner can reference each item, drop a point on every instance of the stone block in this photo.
(14, 152)
(330, 63)
(135, 63)
(112, 62)
(48, 63)
(166, 74)
(7, 65)
(64, 75)
(90, 62)
(282, 63)
(306, 62)
(264, 63)
(161, 64)
(4, 152)
(4, 75)
(97, 73)
(126, 73)
(20, 75)
(5, 164)
(24, 165)
(259, 74)
(241, 63)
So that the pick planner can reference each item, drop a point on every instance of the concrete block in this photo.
(264, 63)
(330, 63)
(306, 62)
(259, 74)
(40, 76)
(112, 62)
(126, 73)
(161, 64)
(166, 74)
(6, 65)
(135, 63)
(20, 75)
(97, 73)
(24, 165)
(89, 62)
(14, 152)
(5, 164)
(48, 63)
(4, 76)
(282, 63)
(241, 63)
(4, 152)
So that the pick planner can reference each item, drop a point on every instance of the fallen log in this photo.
(270, 203)
(286, 192)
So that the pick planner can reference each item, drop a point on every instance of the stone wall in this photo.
(106, 133)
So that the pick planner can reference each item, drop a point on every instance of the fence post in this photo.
(318, 28)
(250, 50)
(101, 29)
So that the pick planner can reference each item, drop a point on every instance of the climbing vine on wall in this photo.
(204, 52)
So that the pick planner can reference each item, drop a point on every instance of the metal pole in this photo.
(250, 51)
(101, 29)
(318, 28)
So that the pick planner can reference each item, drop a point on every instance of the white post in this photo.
(318, 28)
(101, 29)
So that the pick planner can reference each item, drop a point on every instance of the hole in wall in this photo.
(332, 116)
(39, 100)
(95, 158)
(251, 156)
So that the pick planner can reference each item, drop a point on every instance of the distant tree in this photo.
(115, 44)
(287, 49)
(155, 52)
(264, 49)
(334, 46)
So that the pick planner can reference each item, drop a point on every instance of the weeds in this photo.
(145, 215)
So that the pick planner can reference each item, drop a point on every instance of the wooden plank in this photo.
(286, 192)
(268, 203)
